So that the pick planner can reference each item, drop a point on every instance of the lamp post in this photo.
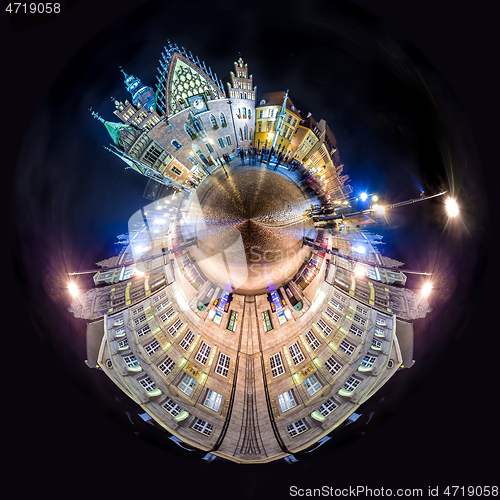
(218, 157)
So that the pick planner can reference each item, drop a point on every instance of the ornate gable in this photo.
(181, 77)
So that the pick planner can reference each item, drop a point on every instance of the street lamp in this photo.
(73, 289)
(218, 157)
(426, 289)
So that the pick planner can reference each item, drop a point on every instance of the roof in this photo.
(114, 130)
(276, 99)
(95, 333)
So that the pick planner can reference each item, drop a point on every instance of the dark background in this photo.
(59, 441)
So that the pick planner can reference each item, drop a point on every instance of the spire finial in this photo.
(124, 74)
(96, 115)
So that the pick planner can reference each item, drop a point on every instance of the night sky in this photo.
(400, 129)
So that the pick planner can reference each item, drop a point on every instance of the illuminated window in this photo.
(312, 385)
(337, 305)
(213, 400)
(233, 318)
(176, 171)
(286, 401)
(368, 361)
(187, 384)
(267, 321)
(130, 361)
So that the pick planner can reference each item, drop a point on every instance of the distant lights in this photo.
(379, 209)
(452, 207)
(359, 249)
(363, 196)
(375, 198)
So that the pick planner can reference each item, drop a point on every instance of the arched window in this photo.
(241, 95)
(241, 134)
(245, 94)
(213, 121)
(239, 112)
(246, 132)
(250, 134)
(249, 113)
(244, 112)
(189, 131)
(223, 120)
(176, 144)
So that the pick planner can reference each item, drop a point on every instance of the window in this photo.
(189, 131)
(143, 331)
(332, 366)
(338, 296)
(140, 319)
(379, 332)
(286, 401)
(390, 363)
(241, 134)
(130, 361)
(327, 407)
(152, 155)
(249, 113)
(296, 428)
(176, 144)
(203, 427)
(272, 113)
(148, 384)
(351, 384)
(172, 407)
(289, 119)
(269, 127)
(277, 367)
(296, 353)
(213, 121)
(250, 134)
(261, 114)
(152, 347)
(122, 344)
(313, 341)
(244, 112)
(359, 319)
(347, 348)
(221, 142)
(137, 310)
(167, 315)
(223, 120)
(176, 171)
(333, 315)
(166, 366)
(210, 148)
(324, 327)
(222, 367)
(228, 140)
(337, 305)
(361, 310)
(213, 400)
(245, 132)
(356, 331)
(187, 385)
(233, 319)
(175, 327)
(267, 321)
(312, 385)
(203, 353)
(186, 341)
(376, 344)
(294, 122)
(381, 321)
(163, 305)
(368, 361)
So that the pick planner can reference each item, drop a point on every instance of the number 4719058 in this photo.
(33, 8)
